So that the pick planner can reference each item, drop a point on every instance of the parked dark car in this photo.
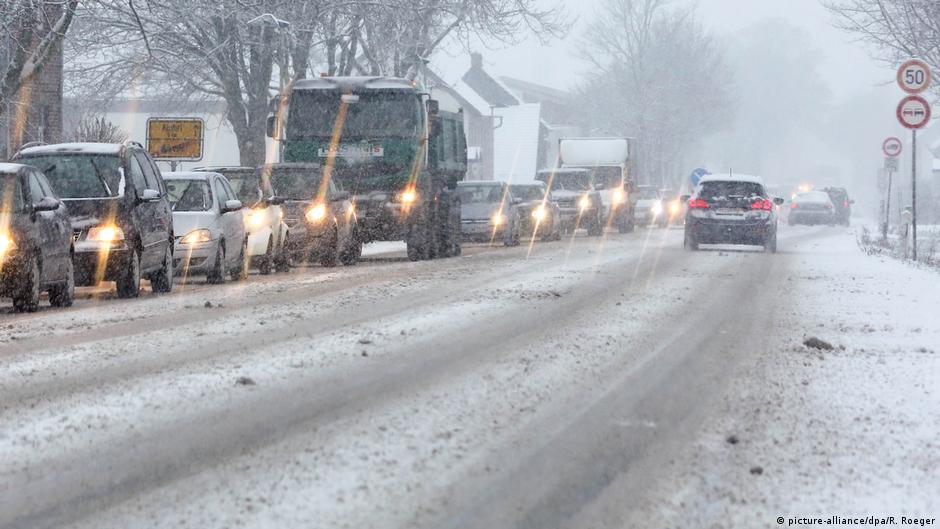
(320, 217)
(35, 240)
(489, 213)
(580, 203)
(731, 210)
(841, 204)
(121, 219)
(539, 216)
(810, 208)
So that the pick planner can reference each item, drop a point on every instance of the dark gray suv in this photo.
(121, 218)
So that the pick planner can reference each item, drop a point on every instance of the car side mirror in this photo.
(231, 205)
(149, 195)
(271, 127)
(685, 198)
(46, 204)
(778, 201)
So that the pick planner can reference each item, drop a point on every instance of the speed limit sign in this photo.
(914, 76)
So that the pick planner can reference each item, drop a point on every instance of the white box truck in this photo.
(612, 167)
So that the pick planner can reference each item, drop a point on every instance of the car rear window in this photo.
(730, 190)
(812, 196)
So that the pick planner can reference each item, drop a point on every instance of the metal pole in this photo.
(914, 192)
(884, 229)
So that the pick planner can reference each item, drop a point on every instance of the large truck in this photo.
(395, 150)
(612, 171)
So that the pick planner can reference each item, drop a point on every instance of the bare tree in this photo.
(657, 75)
(894, 29)
(97, 129)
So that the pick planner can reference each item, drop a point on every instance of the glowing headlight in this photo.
(675, 207)
(657, 208)
(106, 233)
(197, 236)
(539, 213)
(618, 196)
(257, 218)
(6, 244)
(408, 196)
(317, 213)
(498, 219)
(584, 203)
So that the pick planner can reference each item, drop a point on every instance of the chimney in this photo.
(476, 60)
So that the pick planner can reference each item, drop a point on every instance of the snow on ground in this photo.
(852, 431)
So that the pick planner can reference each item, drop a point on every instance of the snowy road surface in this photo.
(618, 384)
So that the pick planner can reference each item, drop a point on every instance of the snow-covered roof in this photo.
(188, 175)
(733, 177)
(84, 148)
(472, 97)
(10, 168)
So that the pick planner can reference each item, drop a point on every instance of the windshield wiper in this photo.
(101, 179)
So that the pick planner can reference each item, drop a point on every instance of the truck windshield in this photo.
(528, 192)
(376, 114)
(579, 181)
(297, 183)
(81, 175)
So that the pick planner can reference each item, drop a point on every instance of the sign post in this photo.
(175, 139)
(892, 148)
(914, 76)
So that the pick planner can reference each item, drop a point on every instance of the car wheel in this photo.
(689, 241)
(770, 245)
(283, 260)
(63, 294)
(128, 283)
(352, 252)
(26, 295)
(267, 260)
(162, 280)
(240, 272)
(216, 276)
(330, 256)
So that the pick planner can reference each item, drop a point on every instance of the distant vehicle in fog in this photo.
(810, 208)
(649, 208)
(121, 219)
(35, 240)
(210, 226)
(612, 166)
(580, 203)
(841, 204)
(488, 213)
(673, 208)
(731, 210)
(539, 215)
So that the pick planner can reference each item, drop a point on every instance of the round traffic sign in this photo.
(913, 112)
(892, 147)
(914, 76)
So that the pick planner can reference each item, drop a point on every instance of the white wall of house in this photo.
(516, 143)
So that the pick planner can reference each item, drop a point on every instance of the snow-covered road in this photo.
(584, 383)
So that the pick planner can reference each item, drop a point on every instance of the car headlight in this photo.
(257, 218)
(408, 196)
(675, 207)
(539, 213)
(107, 233)
(7, 244)
(498, 219)
(317, 213)
(657, 208)
(197, 236)
(618, 196)
(584, 202)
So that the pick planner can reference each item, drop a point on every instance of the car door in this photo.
(62, 223)
(151, 214)
(45, 229)
(228, 220)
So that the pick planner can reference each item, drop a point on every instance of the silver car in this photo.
(209, 226)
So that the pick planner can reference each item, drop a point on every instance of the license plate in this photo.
(729, 211)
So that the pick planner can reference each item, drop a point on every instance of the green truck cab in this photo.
(383, 140)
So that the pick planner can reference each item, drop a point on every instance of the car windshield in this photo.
(480, 194)
(730, 190)
(567, 180)
(189, 195)
(11, 194)
(300, 183)
(81, 175)
(527, 192)
(316, 113)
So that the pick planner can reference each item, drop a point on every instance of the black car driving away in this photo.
(121, 218)
(734, 209)
(35, 240)
(841, 203)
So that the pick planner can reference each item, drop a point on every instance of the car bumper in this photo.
(574, 217)
(481, 232)
(195, 258)
(811, 217)
(304, 240)
(725, 232)
(95, 262)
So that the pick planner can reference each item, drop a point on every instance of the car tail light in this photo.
(762, 204)
(845, 203)
(698, 203)
(828, 206)
(793, 205)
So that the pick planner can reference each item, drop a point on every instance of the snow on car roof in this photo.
(189, 175)
(10, 168)
(330, 83)
(734, 177)
(84, 148)
(480, 183)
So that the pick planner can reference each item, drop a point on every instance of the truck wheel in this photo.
(161, 281)
(352, 251)
(63, 294)
(128, 283)
(26, 295)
